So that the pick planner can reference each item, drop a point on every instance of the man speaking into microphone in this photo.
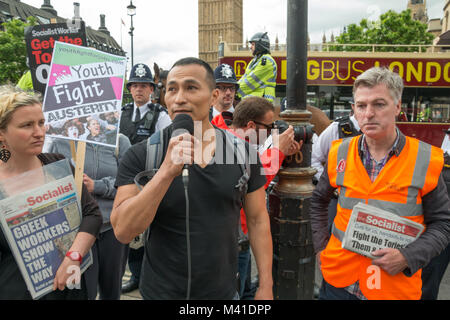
(191, 247)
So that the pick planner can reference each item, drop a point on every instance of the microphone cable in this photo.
(185, 176)
(185, 122)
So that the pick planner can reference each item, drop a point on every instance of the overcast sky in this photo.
(168, 30)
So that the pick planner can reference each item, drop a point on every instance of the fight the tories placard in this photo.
(84, 94)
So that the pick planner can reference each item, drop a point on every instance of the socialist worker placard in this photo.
(41, 39)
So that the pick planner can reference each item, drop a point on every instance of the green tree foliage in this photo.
(392, 28)
(13, 50)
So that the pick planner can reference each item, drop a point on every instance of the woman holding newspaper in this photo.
(22, 133)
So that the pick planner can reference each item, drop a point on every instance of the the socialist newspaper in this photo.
(371, 228)
(40, 216)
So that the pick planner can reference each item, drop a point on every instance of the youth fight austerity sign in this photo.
(84, 92)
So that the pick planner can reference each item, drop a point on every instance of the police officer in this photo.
(261, 73)
(341, 128)
(227, 85)
(141, 118)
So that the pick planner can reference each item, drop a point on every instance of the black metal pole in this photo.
(297, 37)
(294, 262)
(132, 49)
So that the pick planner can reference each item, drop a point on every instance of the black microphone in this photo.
(182, 123)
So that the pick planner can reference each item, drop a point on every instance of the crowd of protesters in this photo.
(195, 220)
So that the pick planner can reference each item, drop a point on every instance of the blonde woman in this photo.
(22, 133)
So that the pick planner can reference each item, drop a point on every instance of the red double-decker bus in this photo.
(330, 75)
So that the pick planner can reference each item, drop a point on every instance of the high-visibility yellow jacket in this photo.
(398, 188)
(25, 82)
(260, 78)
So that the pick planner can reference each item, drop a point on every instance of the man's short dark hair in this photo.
(209, 71)
(251, 109)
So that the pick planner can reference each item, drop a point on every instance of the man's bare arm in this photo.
(260, 240)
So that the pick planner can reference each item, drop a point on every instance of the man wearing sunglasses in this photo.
(253, 120)
(227, 84)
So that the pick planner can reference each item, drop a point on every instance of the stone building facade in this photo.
(218, 20)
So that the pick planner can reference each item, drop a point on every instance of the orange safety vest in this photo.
(399, 188)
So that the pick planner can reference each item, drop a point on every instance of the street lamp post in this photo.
(131, 11)
(289, 201)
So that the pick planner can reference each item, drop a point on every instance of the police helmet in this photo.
(140, 73)
(262, 42)
(224, 73)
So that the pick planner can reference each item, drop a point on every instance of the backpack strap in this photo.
(154, 157)
(236, 146)
(155, 151)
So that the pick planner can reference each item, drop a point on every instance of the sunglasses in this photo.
(225, 88)
(267, 126)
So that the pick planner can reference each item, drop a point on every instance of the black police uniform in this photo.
(145, 127)
(346, 128)
(142, 129)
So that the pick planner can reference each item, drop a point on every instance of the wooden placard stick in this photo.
(79, 166)
(73, 150)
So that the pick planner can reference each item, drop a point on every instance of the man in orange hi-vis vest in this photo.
(386, 169)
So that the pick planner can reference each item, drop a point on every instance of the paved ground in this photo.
(444, 291)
